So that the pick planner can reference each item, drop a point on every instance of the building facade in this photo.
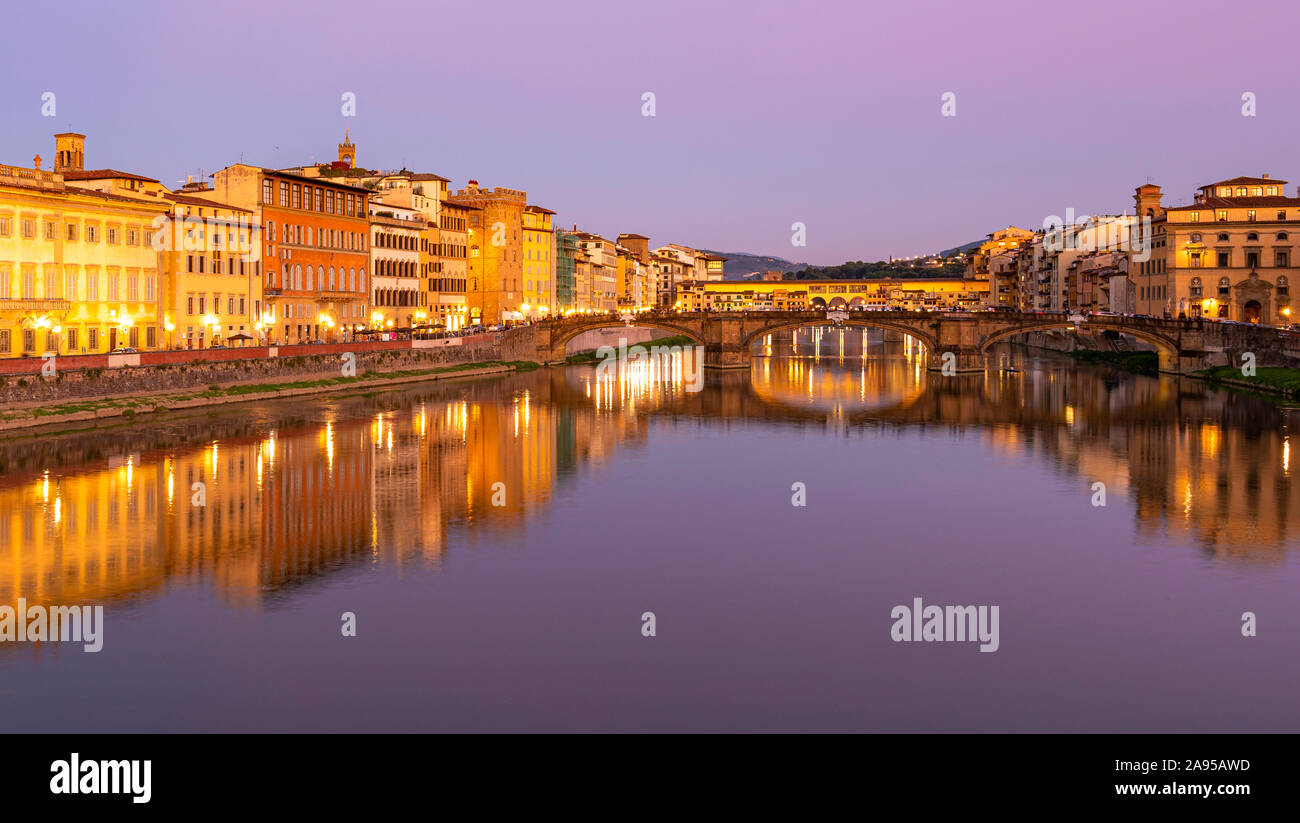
(78, 269)
(315, 250)
(494, 292)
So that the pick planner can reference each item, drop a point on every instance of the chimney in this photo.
(1264, 175)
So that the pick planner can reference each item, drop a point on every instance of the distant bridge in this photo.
(959, 339)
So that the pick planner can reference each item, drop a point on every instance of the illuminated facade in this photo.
(78, 270)
(495, 275)
(539, 263)
(315, 250)
(212, 282)
(928, 294)
(1229, 255)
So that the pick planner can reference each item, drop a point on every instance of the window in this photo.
(1223, 261)
(1225, 191)
(1282, 235)
(1283, 285)
(70, 232)
(1196, 218)
(29, 228)
(1257, 191)
(266, 192)
(5, 230)
(1194, 260)
(1272, 191)
(319, 199)
(92, 234)
(1241, 191)
(1252, 259)
(1250, 215)
(1196, 287)
(112, 236)
(1223, 237)
(297, 196)
(51, 230)
(1281, 259)
(151, 336)
(92, 285)
(284, 195)
(1253, 236)
(1223, 286)
(72, 340)
(1222, 215)
(132, 237)
(92, 339)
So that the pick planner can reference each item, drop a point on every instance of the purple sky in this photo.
(767, 112)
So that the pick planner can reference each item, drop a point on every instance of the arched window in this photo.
(1282, 235)
(1223, 237)
(352, 279)
(1196, 287)
(361, 280)
(1252, 236)
(1196, 237)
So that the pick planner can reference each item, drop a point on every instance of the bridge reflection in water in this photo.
(295, 490)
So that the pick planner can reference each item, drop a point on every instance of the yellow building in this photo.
(1229, 255)
(912, 294)
(78, 269)
(539, 263)
(212, 283)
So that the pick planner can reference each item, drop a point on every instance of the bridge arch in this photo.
(866, 321)
(562, 337)
(1166, 349)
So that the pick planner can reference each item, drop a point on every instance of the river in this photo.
(484, 555)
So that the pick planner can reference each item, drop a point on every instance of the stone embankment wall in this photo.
(127, 381)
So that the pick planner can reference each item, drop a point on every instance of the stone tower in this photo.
(348, 150)
(1147, 200)
(69, 151)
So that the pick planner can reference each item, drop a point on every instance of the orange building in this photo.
(315, 250)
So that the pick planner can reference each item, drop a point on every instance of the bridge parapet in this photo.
(957, 341)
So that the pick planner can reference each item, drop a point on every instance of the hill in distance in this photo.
(739, 264)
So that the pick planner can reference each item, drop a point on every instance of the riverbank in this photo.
(1273, 380)
(1140, 362)
(134, 406)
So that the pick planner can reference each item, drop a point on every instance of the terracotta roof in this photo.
(1248, 181)
(187, 200)
(104, 174)
(1215, 203)
(427, 176)
(82, 192)
(538, 209)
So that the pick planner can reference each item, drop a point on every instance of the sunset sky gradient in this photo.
(768, 112)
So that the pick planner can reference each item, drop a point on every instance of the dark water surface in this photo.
(628, 495)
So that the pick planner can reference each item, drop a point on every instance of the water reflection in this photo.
(256, 501)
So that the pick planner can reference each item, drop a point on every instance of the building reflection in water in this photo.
(290, 491)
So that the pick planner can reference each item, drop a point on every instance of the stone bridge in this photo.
(961, 339)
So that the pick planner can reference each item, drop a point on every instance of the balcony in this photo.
(36, 305)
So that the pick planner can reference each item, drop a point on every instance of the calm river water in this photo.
(520, 606)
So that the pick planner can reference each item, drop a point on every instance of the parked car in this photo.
(124, 350)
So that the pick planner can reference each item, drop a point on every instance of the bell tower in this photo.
(348, 150)
(69, 151)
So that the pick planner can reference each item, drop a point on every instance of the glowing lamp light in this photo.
(376, 318)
